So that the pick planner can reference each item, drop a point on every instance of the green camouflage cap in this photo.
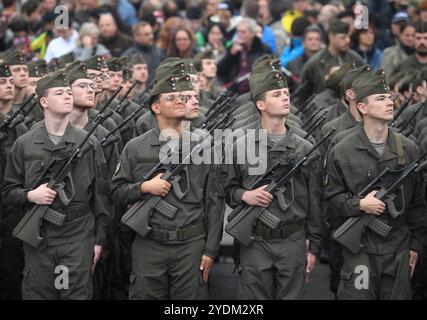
(95, 63)
(77, 72)
(114, 64)
(372, 83)
(170, 67)
(266, 62)
(172, 84)
(336, 77)
(338, 26)
(137, 58)
(4, 70)
(56, 79)
(207, 54)
(14, 57)
(266, 81)
(54, 65)
(67, 58)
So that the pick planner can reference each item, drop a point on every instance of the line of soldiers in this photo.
(130, 127)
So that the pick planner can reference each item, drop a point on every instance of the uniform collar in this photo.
(363, 143)
(41, 136)
(288, 142)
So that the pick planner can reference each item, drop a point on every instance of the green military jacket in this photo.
(200, 205)
(26, 162)
(306, 185)
(352, 164)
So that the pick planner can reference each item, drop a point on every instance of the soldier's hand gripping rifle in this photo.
(349, 234)
(243, 218)
(57, 174)
(401, 109)
(138, 216)
(12, 121)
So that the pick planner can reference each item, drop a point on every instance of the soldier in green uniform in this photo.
(383, 267)
(275, 264)
(76, 246)
(208, 74)
(173, 261)
(11, 255)
(19, 69)
(337, 53)
(139, 73)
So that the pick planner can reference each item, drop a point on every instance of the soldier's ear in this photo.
(362, 108)
(155, 107)
(260, 105)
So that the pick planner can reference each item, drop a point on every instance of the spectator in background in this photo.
(65, 41)
(86, 11)
(225, 16)
(194, 14)
(88, 45)
(126, 11)
(143, 42)
(298, 9)
(31, 11)
(423, 10)
(170, 9)
(312, 43)
(239, 58)
(296, 48)
(215, 40)
(270, 13)
(167, 31)
(210, 8)
(115, 41)
(47, 6)
(183, 43)
(250, 9)
(21, 41)
(364, 44)
(399, 52)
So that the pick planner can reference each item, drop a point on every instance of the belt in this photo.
(183, 234)
(75, 212)
(394, 223)
(279, 233)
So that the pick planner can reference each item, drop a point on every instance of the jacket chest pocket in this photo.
(33, 173)
(358, 175)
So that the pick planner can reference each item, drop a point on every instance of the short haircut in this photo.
(251, 23)
(140, 25)
(154, 99)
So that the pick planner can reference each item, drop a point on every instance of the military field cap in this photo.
(14, 57)
(56, 79)
(198, 65)
(189, 66)
(372, 83)
(172, 84)
(114, 64)
(127, 74)
(352, 75)
(41, 66)
(335, 78)
(338, 26)
(95, 63)
(67, 58)
(170, 67)
(4, 70)
(137, 58)
(33, 70)
(75, 64)
(77, 72)
(266, 81)
(266, 62)
(421, 27)
(4, 53)
(54, 65)
(125, 62)
(207, 54)
(395, 78)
